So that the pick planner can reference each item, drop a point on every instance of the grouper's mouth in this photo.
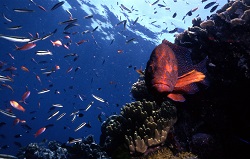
(162, 87)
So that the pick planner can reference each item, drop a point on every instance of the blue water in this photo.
(103, 71)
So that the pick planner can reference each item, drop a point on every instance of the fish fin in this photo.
(176, 97)
(190, 77)
(188, 89)
(23, 101)
(185, 62)
(201, 67)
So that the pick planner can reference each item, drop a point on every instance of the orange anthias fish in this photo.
(8, 86)
(25, 96)
(17, 120)
(16, 105)
(170, 72)
(25, 69)
(38, 78)
(27, 46)
(40, 131)
(56, 43)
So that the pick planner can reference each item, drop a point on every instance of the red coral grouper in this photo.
(171, 73)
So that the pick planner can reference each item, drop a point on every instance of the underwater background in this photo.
(91, 73)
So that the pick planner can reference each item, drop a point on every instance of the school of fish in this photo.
(163, 73)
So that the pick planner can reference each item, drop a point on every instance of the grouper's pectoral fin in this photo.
(176, 97)
(190, 77)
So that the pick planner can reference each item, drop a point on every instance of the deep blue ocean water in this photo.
(103, 71)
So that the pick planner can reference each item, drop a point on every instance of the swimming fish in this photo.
(98, 98)
(40, 131)
(7, 113)
(57, 5)
(27, 46)
(170, 72)
(88, 16)
(23, 10)
(25, 96)
(6, 156)
(80, 126)
(17, 105)
(15, 38)
(56, 43)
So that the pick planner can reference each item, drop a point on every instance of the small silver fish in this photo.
(90, 104)
(60, 116)
(9, 114)
(52, 115)
(98, 98)
(43, 91)
(57, 105)
(74, 141)
(6, 156)
(80, 126)
(15, 38)
(43, 53)
(88, 16)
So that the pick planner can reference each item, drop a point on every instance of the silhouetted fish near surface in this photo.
(209, 5)
(57, 5)
(171, 73)
(130, 40)
(135, 20)
(174, 15)
(125, 8)
(155, 2)
(173, 31)
(69, 21)
(88, 16)
(214, 8)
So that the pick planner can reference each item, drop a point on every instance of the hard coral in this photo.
(152, 126)
(139, 90)
(141, 125)
(166, 153)
(228, 32)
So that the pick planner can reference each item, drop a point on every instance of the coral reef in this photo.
(86, 149)
(228, 32)
(213, 123)
(165, 153)
(34, 150)
(139, 90)
(141, 125)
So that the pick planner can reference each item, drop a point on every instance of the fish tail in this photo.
(17, 48)
(52, 42)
